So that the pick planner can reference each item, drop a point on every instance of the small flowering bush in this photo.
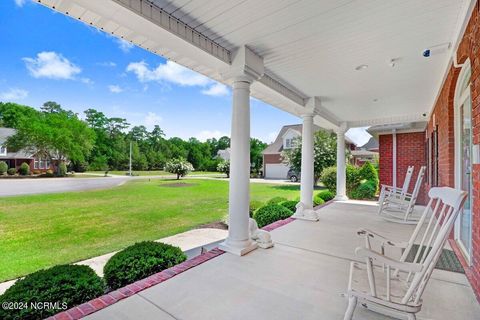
(180, 167)
(224, 166)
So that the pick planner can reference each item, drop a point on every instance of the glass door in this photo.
(465, 219)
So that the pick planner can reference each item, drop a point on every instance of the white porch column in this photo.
(305, 207)
(238, 241)
(246, 67)
(341, 164)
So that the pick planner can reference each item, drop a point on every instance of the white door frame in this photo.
(462, 93)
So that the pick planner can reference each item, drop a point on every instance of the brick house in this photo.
(367, 152)
(14, 159)
(448, 144)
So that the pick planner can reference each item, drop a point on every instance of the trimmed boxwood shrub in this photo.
(66, 285)
(326, 195)
(3, 167)
(140, 261)
(11, 171)
(271, 213)
(276, 200)
(329, 178)
(24, 169)
(254, 205)
(366, 190)
(317, 200)
(62, 169)
(289, 204)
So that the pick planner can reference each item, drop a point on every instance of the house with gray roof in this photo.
(273, 165)
(15, 158)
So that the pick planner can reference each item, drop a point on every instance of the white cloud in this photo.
(115, 89)
(151, 119)
(168, 72)
(13, 94)
(171, 72)
(216, 90)
(208, 134)
(109, 64)
(359, 136)
(124, 45)
(20, 3)
(87, 81)
(52, 65)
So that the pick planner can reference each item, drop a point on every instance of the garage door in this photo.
(276, 171)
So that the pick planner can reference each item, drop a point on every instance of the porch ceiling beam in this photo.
(388, 120)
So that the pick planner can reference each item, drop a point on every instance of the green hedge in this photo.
(254, 205)
(271, 213)
(276, 200)
(317, 200)
(367, 190)
(289, 204)
(67, 285)
(11, 171)
(326, 195)
(140, 261)
(3, 167)
(24, 169)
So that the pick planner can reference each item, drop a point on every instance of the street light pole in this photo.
(130, 162)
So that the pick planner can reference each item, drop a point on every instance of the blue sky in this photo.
(48, 56)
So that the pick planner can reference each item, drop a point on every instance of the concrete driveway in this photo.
(14, 187)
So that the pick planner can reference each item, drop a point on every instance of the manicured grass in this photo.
(39, 231)
(153, 173)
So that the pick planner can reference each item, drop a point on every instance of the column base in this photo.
(239, 250)
(340, 198)
(305, 214)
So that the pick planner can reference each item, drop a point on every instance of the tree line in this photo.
(99, 142)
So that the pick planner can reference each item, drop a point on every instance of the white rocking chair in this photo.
(398, 206)
(388, 190)
(398, 293)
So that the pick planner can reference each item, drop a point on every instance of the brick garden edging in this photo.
(113, 297)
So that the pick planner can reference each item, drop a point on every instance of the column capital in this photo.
(313, 106)
(342, 128)
(246, 66)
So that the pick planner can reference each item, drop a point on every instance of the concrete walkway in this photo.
(303, 277)
(190, 242)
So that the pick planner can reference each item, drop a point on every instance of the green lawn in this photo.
(153, 173)
(39, 231)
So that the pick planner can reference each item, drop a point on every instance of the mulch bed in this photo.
(214, 225)
(178, 185)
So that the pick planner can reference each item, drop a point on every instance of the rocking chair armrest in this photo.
(379, 238)
(362, 252)
(390, 188)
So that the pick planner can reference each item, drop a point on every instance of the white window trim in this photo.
(3, 150)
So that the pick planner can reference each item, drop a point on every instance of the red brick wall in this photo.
(410, 152)
(443, 117)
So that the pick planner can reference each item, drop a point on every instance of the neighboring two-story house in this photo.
(273, 167)
(15, 158)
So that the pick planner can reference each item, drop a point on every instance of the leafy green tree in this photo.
(256, 156)
(325, 153)
(3, 167)
(59, 136)
(11, 114)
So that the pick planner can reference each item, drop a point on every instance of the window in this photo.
(289, 143)
(41, 164)
(433, 158)
(3, 150)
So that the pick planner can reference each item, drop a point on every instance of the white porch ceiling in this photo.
(311, 48)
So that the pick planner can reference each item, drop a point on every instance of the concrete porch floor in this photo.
(302, 277)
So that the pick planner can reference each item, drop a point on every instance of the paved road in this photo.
(13, 187)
